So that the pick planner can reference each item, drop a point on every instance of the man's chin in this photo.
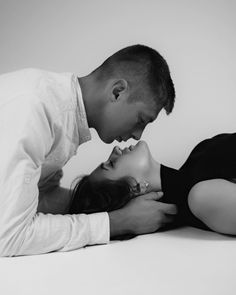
(107, 140)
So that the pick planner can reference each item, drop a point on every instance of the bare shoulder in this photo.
(213, 185)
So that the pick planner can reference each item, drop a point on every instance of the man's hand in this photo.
(142, 215)
(52, 183)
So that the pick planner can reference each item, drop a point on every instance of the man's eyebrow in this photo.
(146, 118)
(149, 119)
(152, 118)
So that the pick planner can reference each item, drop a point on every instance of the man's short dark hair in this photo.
(146, 68)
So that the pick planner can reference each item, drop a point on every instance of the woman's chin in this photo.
(142, 144)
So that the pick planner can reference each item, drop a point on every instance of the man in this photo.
(44, 117)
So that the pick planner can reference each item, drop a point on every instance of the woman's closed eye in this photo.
(111, 163)
(106, 164)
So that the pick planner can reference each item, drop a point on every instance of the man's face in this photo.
(122, 119)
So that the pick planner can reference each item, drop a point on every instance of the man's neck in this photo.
(90, 101)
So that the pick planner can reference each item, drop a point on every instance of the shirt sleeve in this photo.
(23, 231)
(212, 158)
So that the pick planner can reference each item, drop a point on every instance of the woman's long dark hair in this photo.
(104, 196)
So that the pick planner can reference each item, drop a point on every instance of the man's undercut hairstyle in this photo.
(107, 195)
(145, 70)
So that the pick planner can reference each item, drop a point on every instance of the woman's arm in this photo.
(214, 203)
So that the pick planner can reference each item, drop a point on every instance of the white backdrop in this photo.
(197, 38)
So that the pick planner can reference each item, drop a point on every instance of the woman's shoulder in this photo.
(222, 140)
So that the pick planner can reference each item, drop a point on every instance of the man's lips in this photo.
(120, 139)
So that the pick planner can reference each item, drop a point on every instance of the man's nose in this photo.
(137, 134)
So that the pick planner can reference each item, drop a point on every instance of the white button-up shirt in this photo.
(42, 123)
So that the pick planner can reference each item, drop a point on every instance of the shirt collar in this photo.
(84, 133)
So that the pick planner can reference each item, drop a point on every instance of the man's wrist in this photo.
(117, 223)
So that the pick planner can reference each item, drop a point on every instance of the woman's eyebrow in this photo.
(103, 167)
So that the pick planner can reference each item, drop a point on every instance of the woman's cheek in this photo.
(141, 168)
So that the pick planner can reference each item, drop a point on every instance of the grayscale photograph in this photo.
(118, 147)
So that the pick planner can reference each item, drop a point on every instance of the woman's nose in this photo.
(117, 150)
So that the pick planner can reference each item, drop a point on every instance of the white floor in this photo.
(182, 261)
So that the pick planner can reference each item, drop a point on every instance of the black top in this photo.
(212, 158)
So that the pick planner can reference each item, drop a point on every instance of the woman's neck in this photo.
(155, 176)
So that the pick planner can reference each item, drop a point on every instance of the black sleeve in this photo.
(212, 158)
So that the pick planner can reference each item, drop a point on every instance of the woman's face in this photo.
(135, 161)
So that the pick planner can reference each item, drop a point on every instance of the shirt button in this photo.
(27, 179)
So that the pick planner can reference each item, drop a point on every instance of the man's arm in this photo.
(53, 198)
(55, 201)
(23, 231)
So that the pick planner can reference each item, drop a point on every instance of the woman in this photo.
(203, 189)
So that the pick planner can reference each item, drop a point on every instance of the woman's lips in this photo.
(131, 147)
(128, 149)
(124, 151)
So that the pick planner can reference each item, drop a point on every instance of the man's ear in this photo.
(119, 89)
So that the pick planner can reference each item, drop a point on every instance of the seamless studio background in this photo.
(197, 38)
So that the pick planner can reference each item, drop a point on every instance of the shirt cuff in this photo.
(99, 228)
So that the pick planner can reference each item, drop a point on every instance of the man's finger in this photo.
(160, 194)
(153, 196)
(169, 209)
(168, 219)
